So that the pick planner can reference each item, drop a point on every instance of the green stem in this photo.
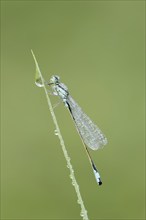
(72, 176)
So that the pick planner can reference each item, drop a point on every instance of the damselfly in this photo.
(90, 134)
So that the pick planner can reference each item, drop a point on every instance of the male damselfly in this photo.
(90, 134)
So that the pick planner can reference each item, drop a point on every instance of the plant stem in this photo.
(39, 78)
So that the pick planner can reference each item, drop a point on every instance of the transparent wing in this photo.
(90, 133)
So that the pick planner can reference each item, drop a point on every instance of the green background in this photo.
(97, 48)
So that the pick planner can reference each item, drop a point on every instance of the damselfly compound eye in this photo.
(54, 79)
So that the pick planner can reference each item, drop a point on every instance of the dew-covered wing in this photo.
(90, 133)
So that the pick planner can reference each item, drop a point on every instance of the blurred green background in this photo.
(97, 48)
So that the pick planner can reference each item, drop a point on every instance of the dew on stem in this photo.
(39, 81)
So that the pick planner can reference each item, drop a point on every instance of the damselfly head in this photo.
(54, 79)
